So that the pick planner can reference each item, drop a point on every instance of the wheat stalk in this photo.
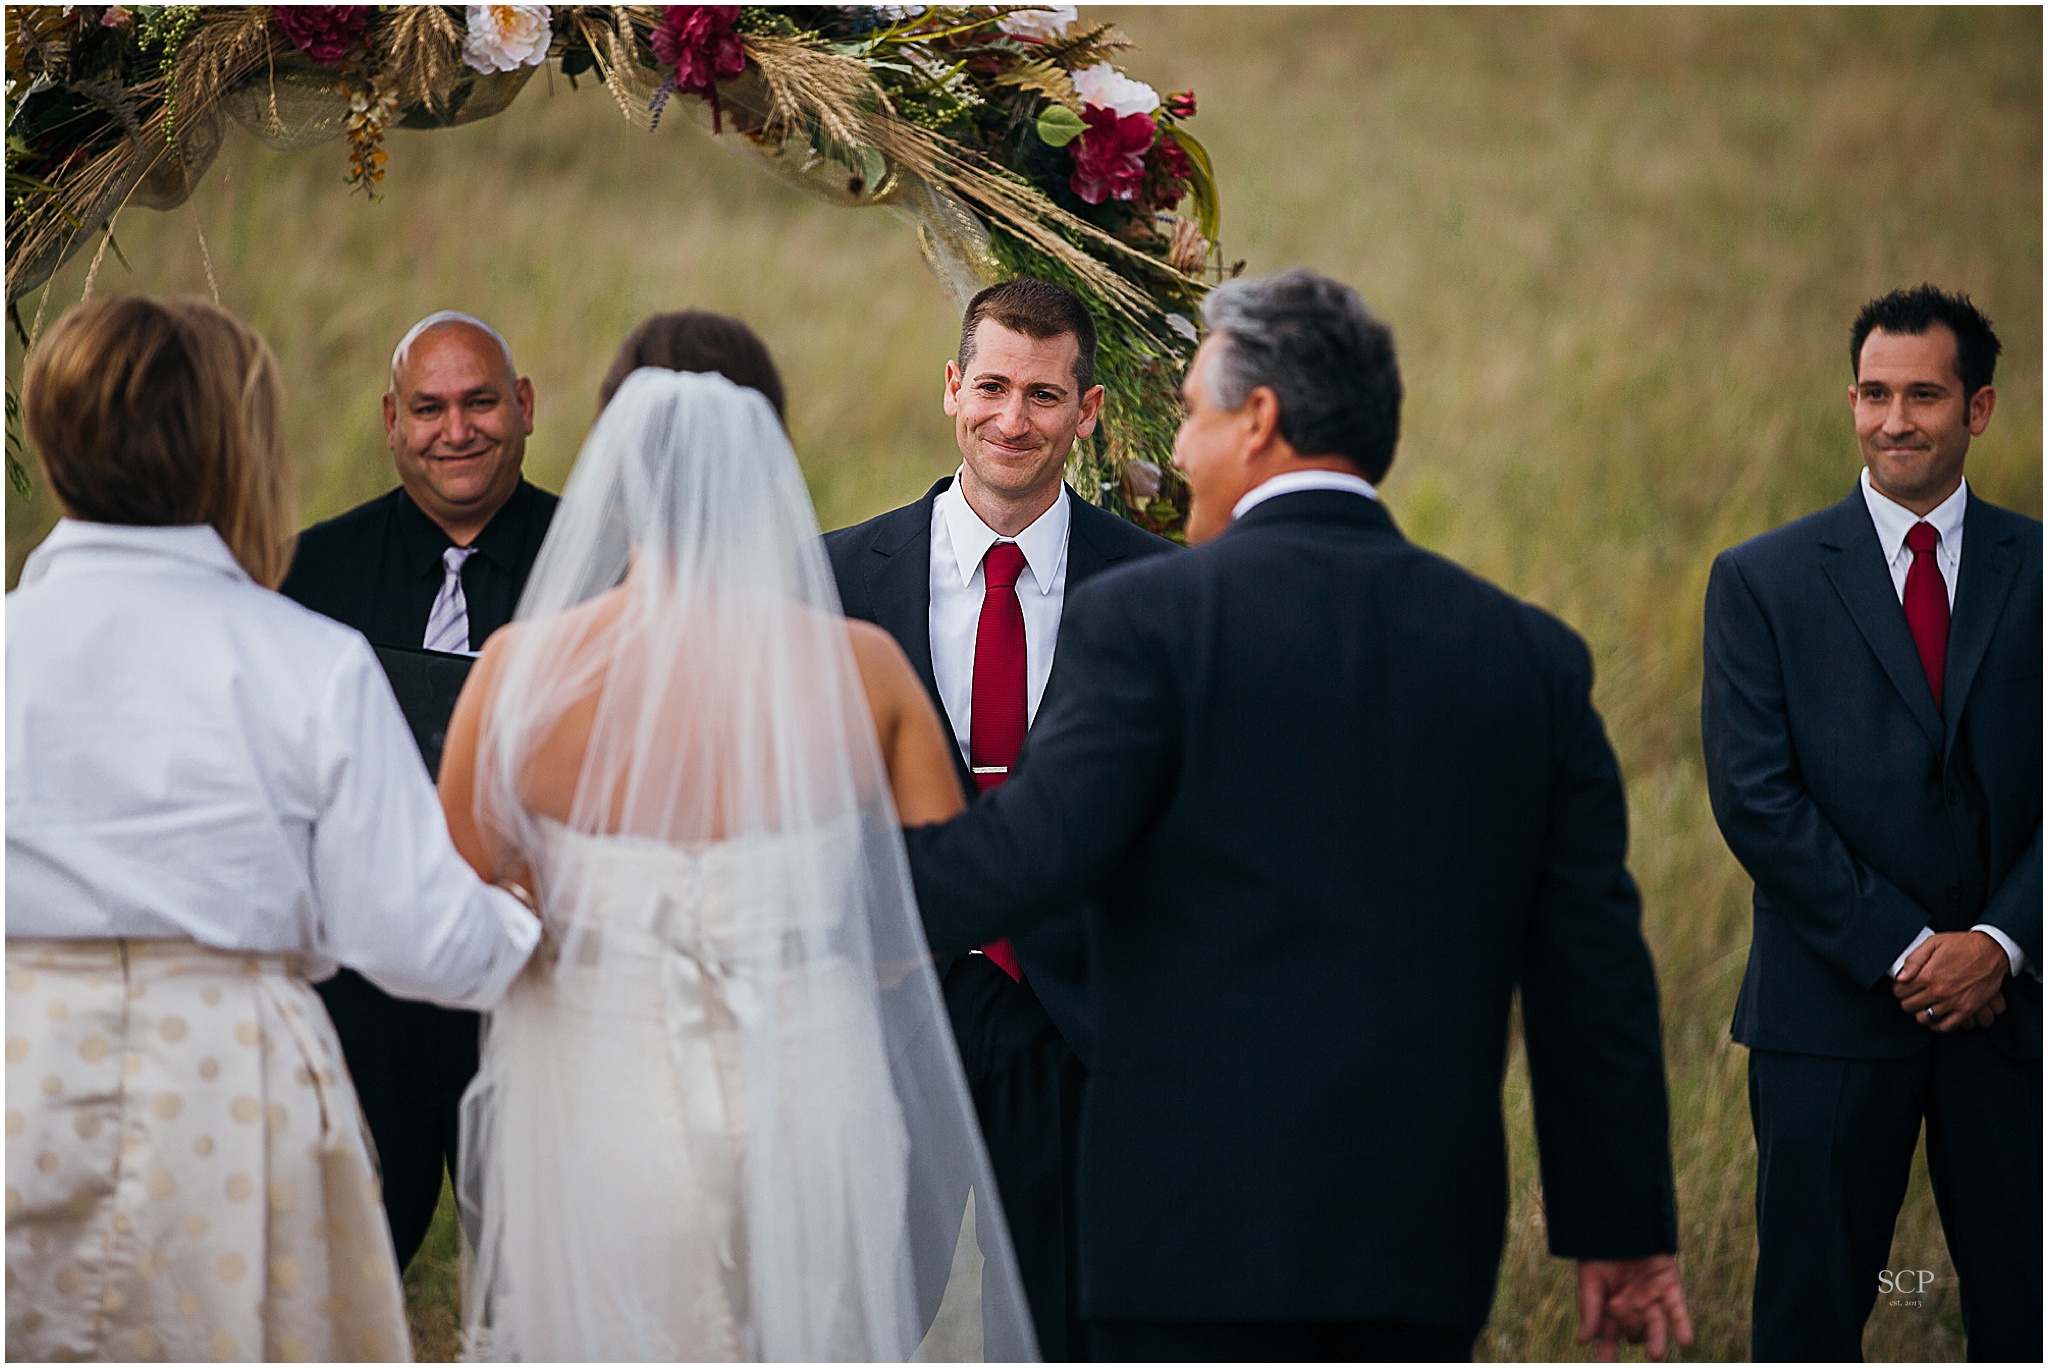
(837, 96)
(421, 50)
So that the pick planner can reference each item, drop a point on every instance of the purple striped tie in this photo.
(448, 624)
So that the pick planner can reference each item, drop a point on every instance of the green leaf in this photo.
(18, 454)
(1201, 189)
(1059, 125)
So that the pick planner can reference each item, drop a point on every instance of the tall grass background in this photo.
(1620, 250)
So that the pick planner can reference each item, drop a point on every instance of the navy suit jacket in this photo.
(1862, 812)
(1335, 800)
(884, 571)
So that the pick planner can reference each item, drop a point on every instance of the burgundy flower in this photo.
(1172, 159)
(701, 43)
(1109, 158)
(1181, 106)
(322, 32)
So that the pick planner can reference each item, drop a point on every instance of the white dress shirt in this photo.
(1294, 481)
(1893, 521)
(192, 756)
(960, 539)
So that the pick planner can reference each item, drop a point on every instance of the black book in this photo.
(427, 684)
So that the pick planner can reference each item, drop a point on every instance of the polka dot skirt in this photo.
(188, 1174)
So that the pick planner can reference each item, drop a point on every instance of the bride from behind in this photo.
(721, 1116)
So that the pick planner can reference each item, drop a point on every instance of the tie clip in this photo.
(991, 769)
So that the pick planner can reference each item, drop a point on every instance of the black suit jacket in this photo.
(377, 567)
(884, 571)
(1862, 812)
(1336, 800)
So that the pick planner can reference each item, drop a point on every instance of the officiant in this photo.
(436, 566)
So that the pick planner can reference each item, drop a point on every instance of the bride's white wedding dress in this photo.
(676, 983)
(721, 1115)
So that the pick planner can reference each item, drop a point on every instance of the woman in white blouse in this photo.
(211, 799)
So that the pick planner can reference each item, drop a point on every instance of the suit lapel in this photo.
(899, 581)
(1985, 581)
(898, 575)
(1854, 562)
(1085, 558)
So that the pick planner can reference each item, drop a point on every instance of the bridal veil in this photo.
(722, 1114)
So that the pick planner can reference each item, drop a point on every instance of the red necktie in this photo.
(1926, 603)
(998, 713)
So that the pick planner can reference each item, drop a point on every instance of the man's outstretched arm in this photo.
(1093, 771)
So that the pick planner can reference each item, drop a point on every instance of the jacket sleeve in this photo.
(1589, 1008)
(1092, 772)
(1852, 916)
(2015, 908)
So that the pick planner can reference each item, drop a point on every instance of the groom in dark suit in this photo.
(438, 563)
(1336, 801)
(971, 580)
(1872, 719)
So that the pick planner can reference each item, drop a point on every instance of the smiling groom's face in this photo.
(1016, 410)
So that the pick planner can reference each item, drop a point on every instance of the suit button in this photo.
(1955, 793)
(1953, 895)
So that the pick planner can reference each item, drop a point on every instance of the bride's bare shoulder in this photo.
(884, 669)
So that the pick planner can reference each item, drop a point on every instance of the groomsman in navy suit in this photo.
(971, 580)
(1871, 713)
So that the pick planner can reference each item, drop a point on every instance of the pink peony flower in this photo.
(322, 32)
(701, 43)
(1039, 22)
(506, 37)
(1109, 158)
(1102, 84)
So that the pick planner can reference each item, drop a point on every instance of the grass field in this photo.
(1620, 251)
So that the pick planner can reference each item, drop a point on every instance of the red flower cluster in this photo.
(701, 43)
(1109, 158)
(322, 32)
(1172, 159)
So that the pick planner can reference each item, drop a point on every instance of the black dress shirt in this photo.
(377, 567)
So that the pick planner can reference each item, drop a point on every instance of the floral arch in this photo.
(1005, 135)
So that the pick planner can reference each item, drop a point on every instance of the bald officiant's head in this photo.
(456, 418)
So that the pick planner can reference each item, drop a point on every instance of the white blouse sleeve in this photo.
(393, 899)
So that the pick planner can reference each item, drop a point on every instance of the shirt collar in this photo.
(424, 539)
(75, 545)
(1893, 521)
(1295, 481)
(1044, 543)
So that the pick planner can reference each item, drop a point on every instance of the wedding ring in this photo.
(1930, 1016)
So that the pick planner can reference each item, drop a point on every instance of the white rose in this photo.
(506, 37)
(1047, 21)
(1103, 86)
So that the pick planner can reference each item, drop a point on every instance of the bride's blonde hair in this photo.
(156, 413)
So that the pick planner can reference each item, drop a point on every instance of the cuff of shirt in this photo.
(1925, 933)
(2013, 956)
(521, 932)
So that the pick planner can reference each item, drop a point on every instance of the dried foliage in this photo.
(420, 57)
(964, 116)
